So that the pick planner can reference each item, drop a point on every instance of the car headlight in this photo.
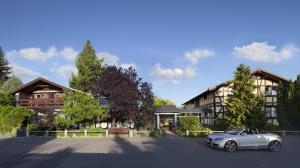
(218, 139)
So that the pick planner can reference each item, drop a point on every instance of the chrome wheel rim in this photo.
(275, 146)
(230, 146)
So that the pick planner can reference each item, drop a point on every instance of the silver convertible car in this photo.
(240, 138)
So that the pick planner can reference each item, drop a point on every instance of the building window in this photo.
(42, 96)
(197, 103)
(269, 100)
(230, 92)
(271, 91)
(271, 112)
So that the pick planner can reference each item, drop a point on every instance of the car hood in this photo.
(219, 135)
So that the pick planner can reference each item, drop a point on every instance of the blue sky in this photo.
(181, 47)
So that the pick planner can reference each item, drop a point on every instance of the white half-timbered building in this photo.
(212, 101)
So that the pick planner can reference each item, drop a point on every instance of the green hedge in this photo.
(11, 118)
(158, 132)
(92, 132)
(190, 123)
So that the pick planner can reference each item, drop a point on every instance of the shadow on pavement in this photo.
(175, 152)
(14, 151)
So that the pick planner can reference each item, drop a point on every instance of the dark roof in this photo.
(255, 72)
(35, 81)
(166, 109)
(209, 90)
(270, 75)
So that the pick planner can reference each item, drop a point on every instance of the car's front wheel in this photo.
(274, 146)
(230, 146)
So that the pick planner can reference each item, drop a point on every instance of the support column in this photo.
(27, 131)
(85, 133)
(66, 133)
(106, 133)
(157, 121)
(175, 121)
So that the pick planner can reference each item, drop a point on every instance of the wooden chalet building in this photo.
(41, 96)
(212, 101)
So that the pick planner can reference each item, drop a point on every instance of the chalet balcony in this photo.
(41, 103)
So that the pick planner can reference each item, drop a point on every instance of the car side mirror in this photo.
(243, 134)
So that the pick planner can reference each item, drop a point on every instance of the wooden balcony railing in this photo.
(41, 103)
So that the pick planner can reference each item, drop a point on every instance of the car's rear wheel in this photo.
(230, 146)
(274, 146)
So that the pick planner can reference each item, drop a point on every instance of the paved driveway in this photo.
(168, 152)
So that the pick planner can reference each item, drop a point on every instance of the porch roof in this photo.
(190, 111)
(166, 109)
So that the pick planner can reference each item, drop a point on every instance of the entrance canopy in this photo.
(173, 110)
(166, 110)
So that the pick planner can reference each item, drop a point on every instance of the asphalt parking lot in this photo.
(173, 152)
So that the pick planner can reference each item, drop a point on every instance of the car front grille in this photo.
(209, 140)
(215, 145)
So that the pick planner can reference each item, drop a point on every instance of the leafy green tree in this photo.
(6, 99)
(79, 108)
(4, 68)
(243, 104)
(89, 67)
(10, 85)
(11, 118)
(160, 101)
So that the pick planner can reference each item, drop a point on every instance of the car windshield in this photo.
(234, 131)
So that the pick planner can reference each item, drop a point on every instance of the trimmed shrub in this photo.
(158, 132)
(189, 123)
(206, 133)
(271, 127)
(220, 124)
(11, 118)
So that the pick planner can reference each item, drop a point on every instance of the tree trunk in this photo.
(113, 122)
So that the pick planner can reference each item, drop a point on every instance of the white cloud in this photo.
(111, 59)
(37, 54)
(68, 53)
(24, 73)
(126, 66)
(263, 52)
(173, 75)
(194, 56)
(190, 72)
(66, 70)
(34, 54)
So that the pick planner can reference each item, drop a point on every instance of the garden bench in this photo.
(118, 130)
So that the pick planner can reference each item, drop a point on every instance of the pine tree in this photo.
(256, 118)
(89, 67)
(285, 105)
(243, 105)
(4, 68)
(296, 105)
